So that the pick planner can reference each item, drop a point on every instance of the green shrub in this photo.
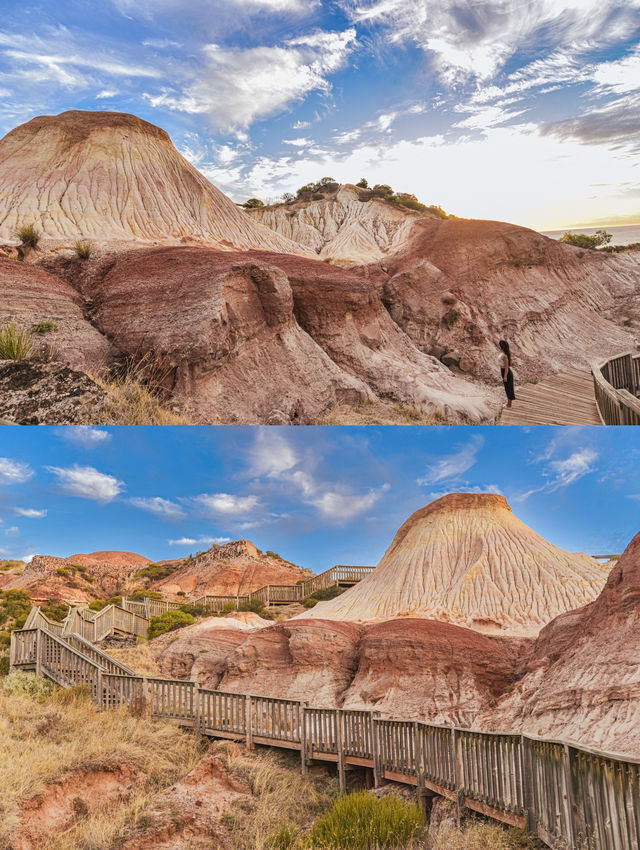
(83, 249)
(253, 203)
(56, 610)
(322, 595)
(229, 607)
(363, 183)
(168, 622)
(361, 821)
(21, 682)
(114, 600)
(581, 240)
(98, 604)
(195, 610)
(317, 196)
(43, 328)
(271, 554)
(15, 343)
(29, 235)
(16, 605)
(382, 190)
(4, 665)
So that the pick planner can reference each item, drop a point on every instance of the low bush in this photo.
(43, 328)
(322, 595)
(98, 604)
(582, 240)
(253, 203)
(361, 821)
(83, 249)
(56, 610)
(27, 684)
(16, 343)
(29, 235)
(168, 622)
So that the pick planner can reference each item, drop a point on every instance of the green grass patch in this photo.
(16, 343)
(361, 821)
(169, 622)
(29, 235)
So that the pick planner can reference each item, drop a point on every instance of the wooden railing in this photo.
(570, 796)
(617, 383)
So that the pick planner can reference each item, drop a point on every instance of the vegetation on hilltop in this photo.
(581, 240)
(327, 186)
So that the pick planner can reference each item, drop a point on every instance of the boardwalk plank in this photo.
(566, 399)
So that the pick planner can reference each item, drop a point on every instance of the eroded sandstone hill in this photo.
(231, 569)
(80, 577)
(582, 680)
(416, 669)
(349, 227)
(109, 176)
(466, 559)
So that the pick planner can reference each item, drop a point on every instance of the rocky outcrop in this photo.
(112, 177)
(457, 287)
(264, 338)
(415, 669)
(79, 578)
(230, 569)
(466, 559)
(32, 297)
(35, 393)
(349, 227)
(200, 651)
(582, 679)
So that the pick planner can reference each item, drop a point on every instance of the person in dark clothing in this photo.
(504, 359)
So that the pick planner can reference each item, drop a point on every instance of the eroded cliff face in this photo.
(456, 287)
(415, 669)
(231, 569)
(79, 577)
(466, 559)
(112, 177)
(344, 228)
(582, 679)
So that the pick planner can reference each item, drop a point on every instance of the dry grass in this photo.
(46, 734)
(135, 395)
(138, 658)
(378, 413)
(282, 799)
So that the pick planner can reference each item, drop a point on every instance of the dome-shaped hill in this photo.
(466, 559)
(112, 177)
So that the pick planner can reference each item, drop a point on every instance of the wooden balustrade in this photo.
(570, 796)
(616, 384)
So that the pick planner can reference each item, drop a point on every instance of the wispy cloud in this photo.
(454, 465)
(84, 435)
(563, 472)
(226, 504)
(14, 471)
(160, 507)
(193, 541)
(30, 513)
(87, 482)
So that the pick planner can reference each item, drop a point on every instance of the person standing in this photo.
(504, 359)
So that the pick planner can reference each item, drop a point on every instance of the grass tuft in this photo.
(29, 235)
(83, 249)
(360, 821)
(16, 343)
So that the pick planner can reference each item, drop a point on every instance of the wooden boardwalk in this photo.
(559, 791)
(565, 399)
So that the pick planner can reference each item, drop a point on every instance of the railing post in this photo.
(528, 793)
(99, 691)
(340, 748)
(302, 725)
(375, 749)
(417, 753)
(12, 650)
(459, 773)
(569, 798)
(38, 653)
(146, 696)
(248, 720)
(196, 709)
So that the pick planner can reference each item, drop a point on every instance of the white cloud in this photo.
(239, 86)
(300, 125)
(30, 513)
(14, 471)
(102, 95)
(274, 457)
(454, 465)
(467, 488)
(87, 482)
(226, 503)
(12, 531)
(298, 143)
(158, 506)
(192, 541)
(562, 473)
(84, 435)
(476, 39)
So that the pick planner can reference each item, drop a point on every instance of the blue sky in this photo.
(521, 110)
(318, 496)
